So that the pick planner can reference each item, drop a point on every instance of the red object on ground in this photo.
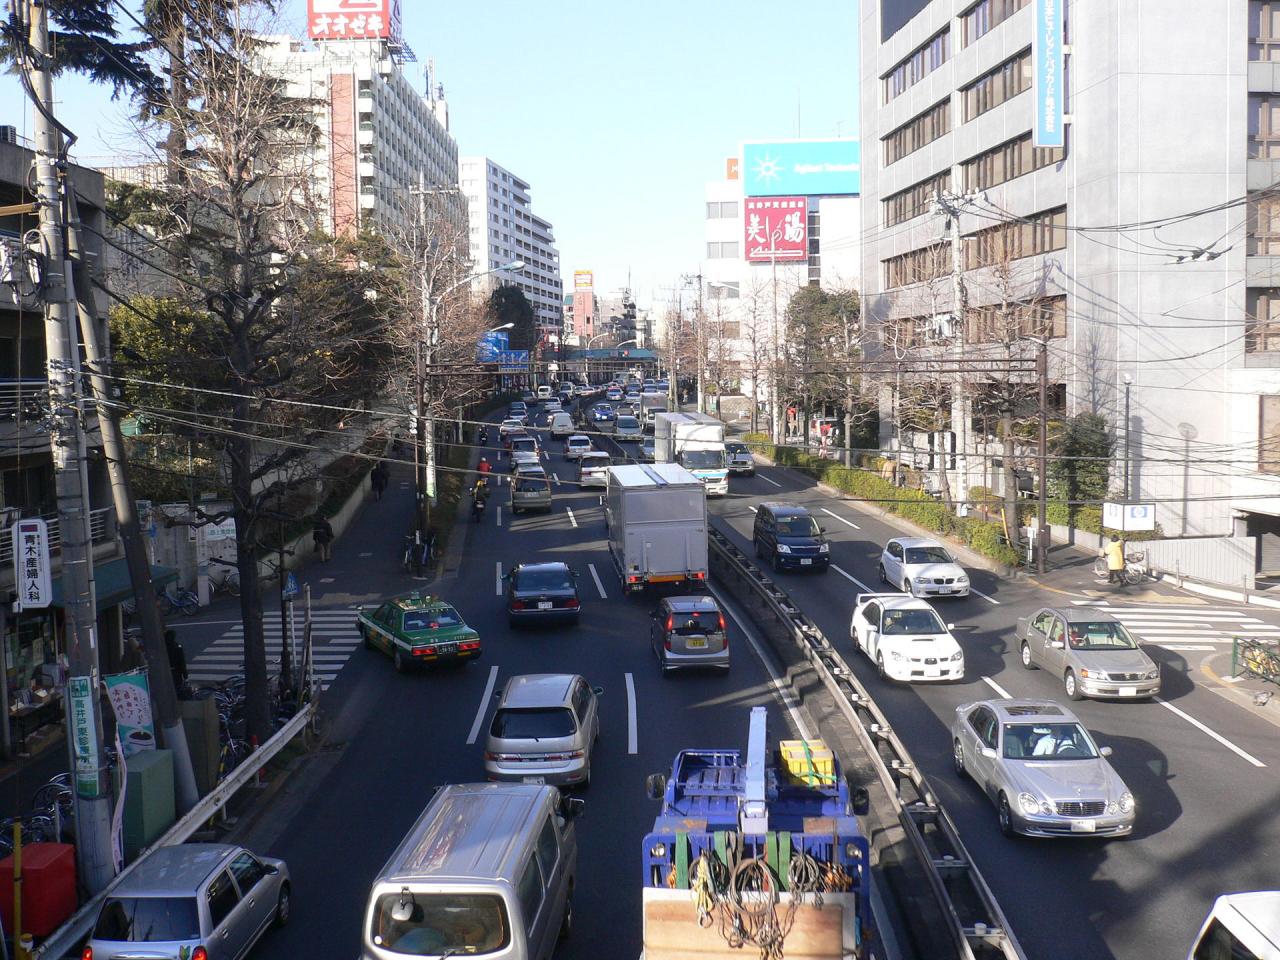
(48, 887)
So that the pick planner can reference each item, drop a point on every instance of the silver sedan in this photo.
(1042, 770)
(1089, 651)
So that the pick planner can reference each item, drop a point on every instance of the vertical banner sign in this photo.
(776, 228)
(130, 698)
(80, 694)
(31, 564)
(1049, 80)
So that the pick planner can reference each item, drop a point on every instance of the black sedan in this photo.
(542, 592)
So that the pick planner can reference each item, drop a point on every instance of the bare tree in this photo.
(756, 332)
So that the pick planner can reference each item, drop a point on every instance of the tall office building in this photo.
(503, 228)
(1145, 248)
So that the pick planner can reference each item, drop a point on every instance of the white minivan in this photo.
(544, 392)
(561, 425)
(487, 871)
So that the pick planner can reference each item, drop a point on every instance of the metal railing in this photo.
(1257, 658)
(24, 399)
(976, 924)
(66, 939)
(102, 529)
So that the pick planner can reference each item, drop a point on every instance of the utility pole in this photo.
(699, 341)
(775, 412)
(93, 793)
(1042, 479)
(1128, 382)
(163, 692)
(848, 390)
(959, 310)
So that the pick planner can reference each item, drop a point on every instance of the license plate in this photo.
(806, 562)
(944, 589)
(933, 672)
(545, 604)
(1127, 691)
(696, 644)
(1084, 826)
(446, 648)
(534, 779)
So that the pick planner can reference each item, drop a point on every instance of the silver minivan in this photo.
(487, 871)
(530, 489)
(544, 730)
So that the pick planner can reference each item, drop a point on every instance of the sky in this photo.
(617, 114)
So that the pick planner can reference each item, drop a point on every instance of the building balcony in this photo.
(102, 533)
(364, 135)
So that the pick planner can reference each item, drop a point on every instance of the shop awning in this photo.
(111, 579)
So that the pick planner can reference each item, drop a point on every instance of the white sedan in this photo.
(905, 638)
(922, 568)
(509, 426)
(576, 445)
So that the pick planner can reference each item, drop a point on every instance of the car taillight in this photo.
(573, 603)
(517, 604)
(633, 579)
(86, 953)
(424, 651)
(666, 644)
(470, 645)
(200, 953)
(699, 575)
(671, 623)
(722, 627)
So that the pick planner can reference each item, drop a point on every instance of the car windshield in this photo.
(148, 920)
(531, 484)
(533, 723)
(928, 555)
(540, 580)
(1100, 635)
(1047, 741)
(431, 619)
(898, 623)
(702, 459)
(736, 448)
(695, 622)
(595, 461)
(512, 423)
(797, 527)
(468, 924)
(525, 444)
(628, 423)
(579, 442)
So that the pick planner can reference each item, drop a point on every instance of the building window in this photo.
(1269, 434)
(987, 15)
(1264, 127)
(1262, 320)
(1004, 323)
(724, 210)
(917, 132)
(919, 64)
(995, 87)
(1038, 233)
(722, 251)
(723, 291)
(917, 266)
(1262, 223)
(1007, 161)
(1264, 29)
(913, 201)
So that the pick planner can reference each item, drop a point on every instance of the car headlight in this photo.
(962, 579)
(1029, 804)
(783, 548)
(895, 655)
(824, 548)
(1126, 802)
(957, 656)
(1153, 674)
(922, 579)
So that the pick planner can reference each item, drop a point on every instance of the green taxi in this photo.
(417, 630)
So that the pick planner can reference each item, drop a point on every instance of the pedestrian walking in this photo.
(1114, 552)
(378, 479)
(133, 658)
(177, 661)
(322, 537)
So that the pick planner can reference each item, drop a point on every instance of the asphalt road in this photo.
(1206, 824)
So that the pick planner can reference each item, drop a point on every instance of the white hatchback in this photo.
(576, 445)
(922, 568)
(905, 638)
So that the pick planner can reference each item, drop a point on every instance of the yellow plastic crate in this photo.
(807, 761)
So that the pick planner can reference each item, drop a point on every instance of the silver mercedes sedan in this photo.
(1042, 770)
(1090, 651)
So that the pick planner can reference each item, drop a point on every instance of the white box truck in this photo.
(696, 442)
(657, 520)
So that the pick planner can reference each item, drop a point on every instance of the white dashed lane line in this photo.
(849, 523)
(497, 581)
(484, 704)
(596, 577)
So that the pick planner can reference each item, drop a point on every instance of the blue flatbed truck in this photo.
(755, 854)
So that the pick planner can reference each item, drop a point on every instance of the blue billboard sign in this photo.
(802, 168)
(491, 344)
(1048, 79)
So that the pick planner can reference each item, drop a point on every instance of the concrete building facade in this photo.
(502, 228)
(1142, 251)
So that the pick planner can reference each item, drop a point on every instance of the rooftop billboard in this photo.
(802, 168)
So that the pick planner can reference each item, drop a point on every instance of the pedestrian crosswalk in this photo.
(334, 637)
(1186, 626)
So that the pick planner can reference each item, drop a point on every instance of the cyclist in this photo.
(1114, 552)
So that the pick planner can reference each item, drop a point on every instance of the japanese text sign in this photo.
(130, 698)
(352, 19)
(776, 228)
(31, 564)
(1047, 59)
(84, 733)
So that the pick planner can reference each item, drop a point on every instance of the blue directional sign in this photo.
(291, 586)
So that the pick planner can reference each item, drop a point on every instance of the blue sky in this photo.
(616, 114)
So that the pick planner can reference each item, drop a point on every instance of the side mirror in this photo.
(988, 753)
(270, 869)
(655, 785)
(1057, 645)
(574, 807)
(951, 626)
(1105, 751)
(822, 529)
(598, 691)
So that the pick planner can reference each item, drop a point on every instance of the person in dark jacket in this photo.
(177, 661)
(378, 479)
(322, 536)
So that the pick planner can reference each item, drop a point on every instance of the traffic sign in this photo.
(291, 586)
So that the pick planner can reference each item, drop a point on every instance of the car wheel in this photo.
(906, 588)
(957, 758)
(1005, 816)
(1025, 654)
(880, 667)
(1072, 686)
(586, 781)
(402, 665)
(566, 923)
(666, 670)
(364, 635)
(283, 906)
(880, 570)
(777, 564)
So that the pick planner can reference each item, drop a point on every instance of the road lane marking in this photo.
(751, 508)
(840, 518)
(973, 589)
(1213, 733)
(484, 704)
(497, 582)
(1183, 646)
(596, 577)
(572, 519)
(631, 715)
(498, 516)
(788, 701)
(767, 480)
(850, 576)
(997, 688)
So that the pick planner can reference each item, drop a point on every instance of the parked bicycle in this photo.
(228, 582)
(182, 601)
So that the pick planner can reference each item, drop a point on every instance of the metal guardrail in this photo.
(1257, 658)
(956, 884)
(66, 939)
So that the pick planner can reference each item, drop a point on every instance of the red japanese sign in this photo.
(353, 19)
(776, 228)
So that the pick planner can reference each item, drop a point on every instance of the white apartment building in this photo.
(503, 228)
(381, 138)
(1146, 245)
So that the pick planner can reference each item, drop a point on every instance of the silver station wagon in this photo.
(1089, 651)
